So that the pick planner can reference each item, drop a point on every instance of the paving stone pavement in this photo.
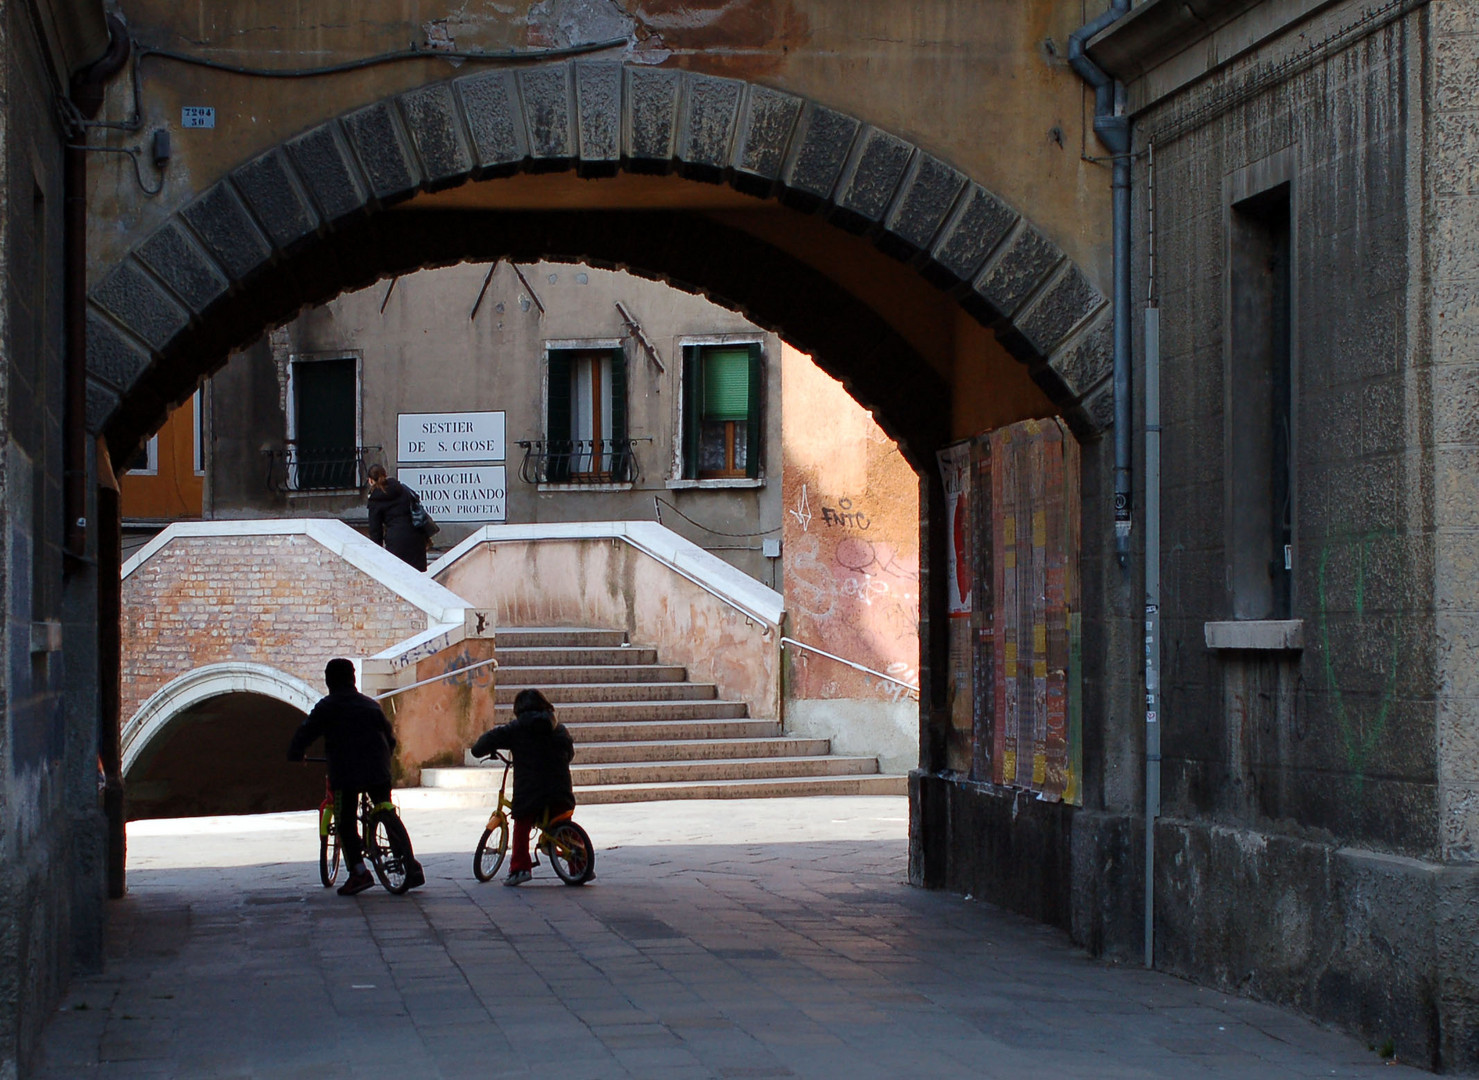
(737, 940)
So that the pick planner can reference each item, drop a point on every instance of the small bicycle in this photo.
(387, 846)
(564, 843)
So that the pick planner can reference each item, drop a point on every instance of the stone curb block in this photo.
(598, 114)
(384, 152)
(546, 94)
(111, 358)
(651, 119)
(228, 232)
(323, 160)
(869, 184)
(490, 107)
(972, 233)
(435, 126)
(275, 195)
(928, 194)
(710, 109)
(140, 303)
(179, 262)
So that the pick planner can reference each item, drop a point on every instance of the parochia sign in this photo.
(460, 436)
(458, 492)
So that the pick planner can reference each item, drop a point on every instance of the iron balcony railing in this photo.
(299, 468)
(579, 461)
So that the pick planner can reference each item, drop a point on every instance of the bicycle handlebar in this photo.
(496, 754)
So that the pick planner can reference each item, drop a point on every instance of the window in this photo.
(721, 411)
(146, 461)
(1260, 408)
(586, 417)
(197, 407)
(323, 423)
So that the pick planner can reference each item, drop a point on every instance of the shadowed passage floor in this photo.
(739, 939)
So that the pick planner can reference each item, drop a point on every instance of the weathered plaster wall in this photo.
(850, 548)
(609, 584)
(435, 723)
(423, 353)
(915, 71)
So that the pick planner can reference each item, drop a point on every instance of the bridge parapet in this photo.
(281, 598)
(638, 577)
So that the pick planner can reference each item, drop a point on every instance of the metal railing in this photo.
(298, 468)
(910, 687)
(579, 461)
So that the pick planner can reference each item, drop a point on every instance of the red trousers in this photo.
(519, 859)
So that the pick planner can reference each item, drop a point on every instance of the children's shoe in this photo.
(358, 882)
(415, 876)
(518, 877)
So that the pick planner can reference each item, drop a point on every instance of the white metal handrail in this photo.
(435, 678)
(850, 663)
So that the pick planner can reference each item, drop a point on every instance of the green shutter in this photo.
(753, 426)
(618, 434)
(618, 395)
(557, 418)
(727, 384)
(692, 389)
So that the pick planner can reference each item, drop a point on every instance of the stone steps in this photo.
(598, 753)
(603, 692)
(568, 674)
(643, 731)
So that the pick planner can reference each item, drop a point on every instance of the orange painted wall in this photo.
(851, 540)
(175, 491)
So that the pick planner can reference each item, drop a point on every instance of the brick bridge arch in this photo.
(152, 723)
(304, 221)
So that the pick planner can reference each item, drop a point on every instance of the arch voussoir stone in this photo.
(596, 117)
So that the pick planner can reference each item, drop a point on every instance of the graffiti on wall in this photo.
(851, 588)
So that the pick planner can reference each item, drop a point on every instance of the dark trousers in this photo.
(347, 816)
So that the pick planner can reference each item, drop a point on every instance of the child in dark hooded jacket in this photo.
(541, 748)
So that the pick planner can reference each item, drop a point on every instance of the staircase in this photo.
(643, 732)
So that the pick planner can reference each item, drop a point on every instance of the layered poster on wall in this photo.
(955, 473)
(1028, 608)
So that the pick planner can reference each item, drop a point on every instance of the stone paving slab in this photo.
(734, 940)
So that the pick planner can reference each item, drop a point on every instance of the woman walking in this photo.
(390, 519)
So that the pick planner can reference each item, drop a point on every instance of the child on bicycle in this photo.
(357, 742)
(542, 748)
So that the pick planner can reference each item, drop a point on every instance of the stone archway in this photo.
(304, 220)
(158, 715)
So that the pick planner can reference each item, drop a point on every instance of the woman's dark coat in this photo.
(390, 523)
(542, 750)
(357, 740)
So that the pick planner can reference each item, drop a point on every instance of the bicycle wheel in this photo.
(389, 851)
(492, 847)
(571, 852)
(328, 850)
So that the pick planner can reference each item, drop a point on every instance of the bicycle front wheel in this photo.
(492, 847)
(389, 851)
(328, 854)
(571, 852)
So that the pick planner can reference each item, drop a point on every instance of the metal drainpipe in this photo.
(87, 97)
(1112, 127)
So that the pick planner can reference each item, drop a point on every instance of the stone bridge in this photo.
(226, 630)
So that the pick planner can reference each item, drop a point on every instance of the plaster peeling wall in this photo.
(850, 547)
(607, 583)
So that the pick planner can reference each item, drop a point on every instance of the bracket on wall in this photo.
(634, 328)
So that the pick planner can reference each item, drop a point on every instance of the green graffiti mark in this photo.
(1358, 744)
